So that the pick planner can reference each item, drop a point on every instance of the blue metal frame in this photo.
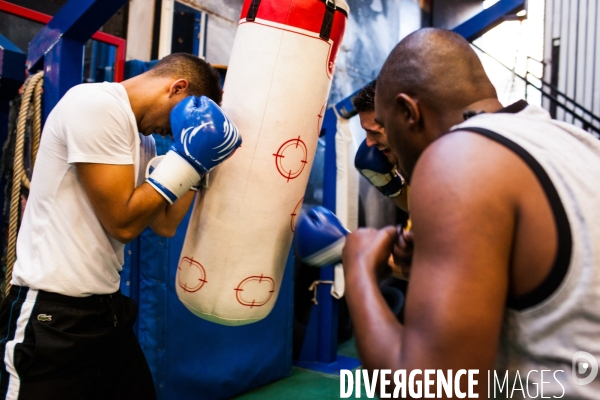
(12, 73)
(12, 76)
(179, 7)
(344, 108)
(488, 19)
(320, 343)
(198, 28)
(102, 62)
(319, 349)
(196, 47)
(59, 45)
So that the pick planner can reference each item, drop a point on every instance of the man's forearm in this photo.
(143, 206)
(378, 333)
(166, 222)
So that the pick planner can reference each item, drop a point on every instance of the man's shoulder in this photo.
(462, 145)
(525, 119)
(105, 94)
(94, 102)
(111, 88)
(466, 161)
(89, 110)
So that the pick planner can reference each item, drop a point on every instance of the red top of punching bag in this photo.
(322, 17)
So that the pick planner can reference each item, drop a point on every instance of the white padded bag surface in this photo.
(276, 91)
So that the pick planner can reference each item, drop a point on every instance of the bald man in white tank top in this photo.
(505, 274)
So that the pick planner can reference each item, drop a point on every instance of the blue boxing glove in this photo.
(202, 134)
(374, 165)
(319, 237)
(203, 138)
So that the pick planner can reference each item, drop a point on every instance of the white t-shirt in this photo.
(62, 247)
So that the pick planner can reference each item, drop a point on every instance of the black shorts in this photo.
(60, 347)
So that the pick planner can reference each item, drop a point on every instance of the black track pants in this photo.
(60, 347)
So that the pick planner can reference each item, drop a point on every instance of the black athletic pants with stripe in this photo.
(60, 347)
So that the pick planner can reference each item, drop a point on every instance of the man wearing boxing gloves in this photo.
(374, 159)
(376, 162)
(66, 329)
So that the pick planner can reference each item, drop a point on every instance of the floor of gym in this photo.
(304, 383)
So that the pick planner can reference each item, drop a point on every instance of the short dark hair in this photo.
(365, 98)
(203, 80)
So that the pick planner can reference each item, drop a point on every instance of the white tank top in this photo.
(544, 330)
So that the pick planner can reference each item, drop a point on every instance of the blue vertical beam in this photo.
(328, 305)
(488, 18)
(109, 70)
(330, 173)
(63, 69)
(319, 349)
(12, 68)
(197, 27)
(12, 75)
(77, 20)
(58, 47)
(320, 342)
(93, 61)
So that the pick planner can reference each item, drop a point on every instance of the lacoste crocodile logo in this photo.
(44, 317)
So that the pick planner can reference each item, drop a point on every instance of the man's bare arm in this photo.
(124, 210)
(166, 223)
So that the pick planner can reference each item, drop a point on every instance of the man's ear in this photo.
(179, 87)
(410, 108)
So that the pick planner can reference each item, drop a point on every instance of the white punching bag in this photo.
(276, 90)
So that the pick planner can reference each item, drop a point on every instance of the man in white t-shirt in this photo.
(65, 329)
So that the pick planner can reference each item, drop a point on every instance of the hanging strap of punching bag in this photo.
(253, 10)
(326, 25)
(327, 20)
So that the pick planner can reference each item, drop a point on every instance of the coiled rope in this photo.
(32, 93)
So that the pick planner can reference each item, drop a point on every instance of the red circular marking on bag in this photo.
(295, 214)
(291, 158)
(255, 291)
(192, 275)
